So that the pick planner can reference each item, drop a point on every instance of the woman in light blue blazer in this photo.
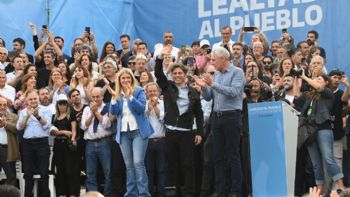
(133, 129)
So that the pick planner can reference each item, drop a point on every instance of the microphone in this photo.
(284, 89)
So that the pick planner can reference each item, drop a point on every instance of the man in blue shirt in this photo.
(226, 89)
(35, 121)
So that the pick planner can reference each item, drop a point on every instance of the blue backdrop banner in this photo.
(188, 20)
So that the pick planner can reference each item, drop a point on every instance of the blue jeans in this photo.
(322, 147)
(98, 151)
(134, 148)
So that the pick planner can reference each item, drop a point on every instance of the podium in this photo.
(273, 145)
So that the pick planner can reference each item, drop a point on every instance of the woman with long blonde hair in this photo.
(133, 130)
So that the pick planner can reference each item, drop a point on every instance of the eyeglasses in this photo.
(62, 103)
(132, 63)
(266, 62)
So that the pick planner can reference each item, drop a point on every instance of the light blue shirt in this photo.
(33, 128)
(182, 100)
(226, 90)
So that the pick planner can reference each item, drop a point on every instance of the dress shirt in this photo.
(3, 136)
(218, 44)
(174, 51)
(10, 76)
(33, 128)
(157, 123)
(8, 92)
(183, 101)
(226, 90)
(127, 117)
(103, 129)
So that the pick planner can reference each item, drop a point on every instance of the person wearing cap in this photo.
(36, 122)
(66, 158)
(9, 148)
(98, 135)
(226, 33)
(203, 60)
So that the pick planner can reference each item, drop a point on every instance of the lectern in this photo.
(273, 145)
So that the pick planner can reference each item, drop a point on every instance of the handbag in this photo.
(307, 128)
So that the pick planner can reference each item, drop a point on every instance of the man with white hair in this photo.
(258, 51)
(3, 57)
(316, 66)
(226, 89)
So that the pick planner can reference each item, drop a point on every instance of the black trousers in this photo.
(9, 167)
(207, 186)
(155, 165)
(68, 170)
(227, 162)
(36, 152)
(180, 150)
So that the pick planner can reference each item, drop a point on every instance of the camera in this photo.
(247, 89)
(208, 51)
(296, 72)
(246, 29)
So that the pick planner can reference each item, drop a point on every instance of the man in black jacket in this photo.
(182, 105)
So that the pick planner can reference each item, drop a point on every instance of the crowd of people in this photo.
(165, 121)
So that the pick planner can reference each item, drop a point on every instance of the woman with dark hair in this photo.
(107, 49)
(28, 83)
(145, 78)
(64, 68)
(29, 68)
(86, 62)
(317, 103)
(285, 66)
(66, 158)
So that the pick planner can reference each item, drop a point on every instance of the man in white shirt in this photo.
(13, 77)
(98, 135)
(3, 57)
(168, 41)
(155, 156)
(226, 34)
(8, 92)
